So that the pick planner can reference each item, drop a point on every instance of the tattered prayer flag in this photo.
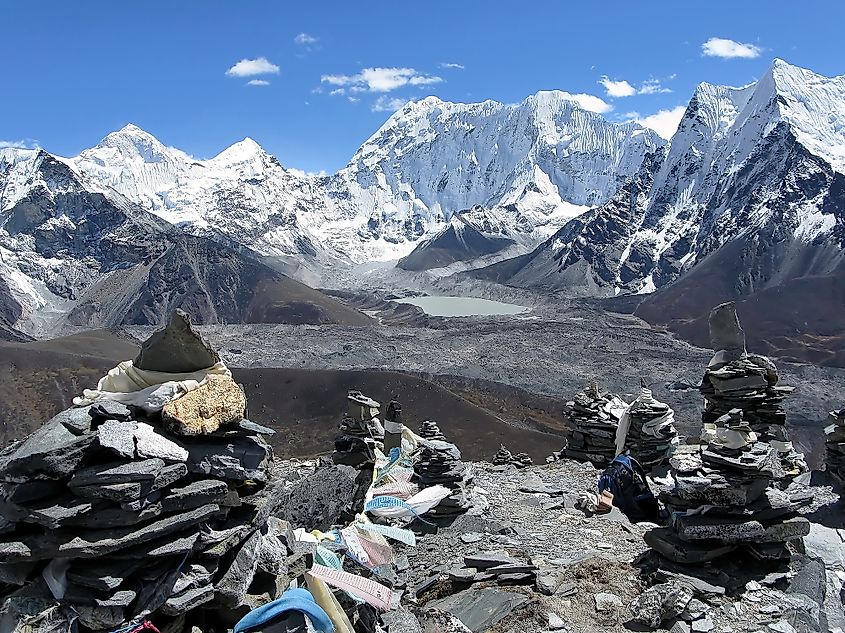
(397, 534)
(368, 590)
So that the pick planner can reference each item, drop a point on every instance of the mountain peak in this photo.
(133, 142)
(242, 151)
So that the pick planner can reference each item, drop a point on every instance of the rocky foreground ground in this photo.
(582, 571)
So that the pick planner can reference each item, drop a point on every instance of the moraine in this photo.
(463, 306)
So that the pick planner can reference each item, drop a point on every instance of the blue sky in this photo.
(74, 71)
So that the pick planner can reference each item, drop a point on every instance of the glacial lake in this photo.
(462, 306)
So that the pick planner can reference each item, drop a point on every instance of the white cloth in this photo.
(150, 390)
(653, 427)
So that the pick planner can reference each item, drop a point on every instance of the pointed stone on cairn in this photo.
(735, 379)
(725, 505)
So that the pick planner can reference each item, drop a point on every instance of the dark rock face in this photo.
(323, 499)
(460, 240)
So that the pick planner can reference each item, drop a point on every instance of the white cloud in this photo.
(381, 79)
(258, 82)
(664, 122)
(387, 104)
(617, 88)
(727, 49)
(252, 67)
(304, 39)
(26, 143)
(589, 102)
(338, 91)
(623, 88)
(652, 86)
(353, 99)
(452, 66)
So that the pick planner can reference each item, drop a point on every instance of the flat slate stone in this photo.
(149, 443)
(52, 450)
(484, 560)
(195, 494)
(118, 437)
(103, 574)
(231, 587)
(241, 459)
(480, 609)
(117, 472)
(92, 543)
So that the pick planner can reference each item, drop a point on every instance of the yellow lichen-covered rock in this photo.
(218, 402)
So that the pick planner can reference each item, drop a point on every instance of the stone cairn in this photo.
(835, 442)
(732, 475)
(735, 379)
(430, 431)
(359, 430)
(651, 436)
(439, 463)
(504, 457)
(119, 511)
(593, 418)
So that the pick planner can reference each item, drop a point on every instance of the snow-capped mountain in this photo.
(72, 255)
(545, 159)
(743, 161)
(749, 199)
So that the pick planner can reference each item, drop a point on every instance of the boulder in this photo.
(216, 403)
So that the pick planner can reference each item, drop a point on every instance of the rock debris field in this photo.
(554, 352)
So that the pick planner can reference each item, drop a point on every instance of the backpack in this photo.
(625, 479)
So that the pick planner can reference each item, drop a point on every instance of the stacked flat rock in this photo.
(138, 513)
(504, 457)
(593, 418)
(359, 430)
(430, 431)
(835, 442)
(735, 379)
(439, 463)
(651, 438)
(724, 501)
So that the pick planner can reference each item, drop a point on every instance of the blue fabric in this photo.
(292, 600)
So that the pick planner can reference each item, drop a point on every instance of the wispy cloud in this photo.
(623, 88)
(728, 49)
(304, 39)
(452, 66)
(589, 102)
(258, 82)
(26, 143)
(619, 88)
(664, 122)
(381, 79)
(388, 104)
(253, 67)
